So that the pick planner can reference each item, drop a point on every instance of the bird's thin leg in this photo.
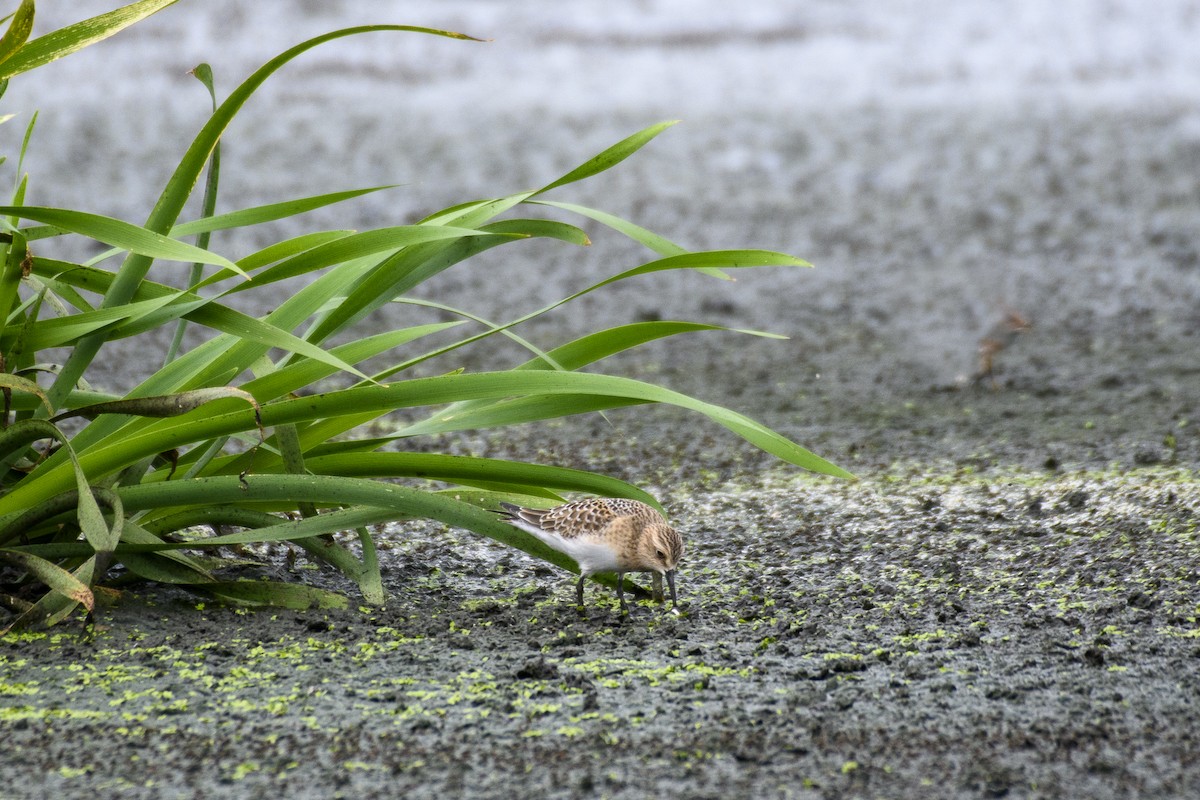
(621, 590)
(579, 590)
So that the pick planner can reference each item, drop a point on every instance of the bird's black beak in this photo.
(671, 583)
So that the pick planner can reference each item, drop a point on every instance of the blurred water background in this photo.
(937, 161)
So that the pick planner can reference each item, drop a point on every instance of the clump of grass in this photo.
(91, 479)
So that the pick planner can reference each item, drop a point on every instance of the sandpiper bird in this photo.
(605, 534)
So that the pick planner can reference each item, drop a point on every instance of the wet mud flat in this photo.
(1004, 605)
(917, 634)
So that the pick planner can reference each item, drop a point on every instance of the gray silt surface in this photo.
(1004, 605)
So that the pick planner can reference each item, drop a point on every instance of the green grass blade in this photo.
(52, 46)
(10, 382)
(15, 438)
(370, 579)
(273, 593)
(163, 567)
(265, 336)
(298, 374)
(202, 73)
(161, 435)
(160, 406)
(62, 331)
(22, 178)
(16, 258)
(501, 413)
(227, 356)
(712, 259)
(124, 235)
(726, 259)
(289, 248)
(610, 157)
(570, 356)
(55, 607)
(397, 275)
(493, 327)
(53, 576)
(66, 293)
(261, 258)
(166, 304)
(348, 248)
(659, 244)
(408, 269)
(100, 535)
(257, 215)
(274, 491)
(179, 187)
(597, 346)
(721, 259)
(18, 31)
(374, 501)
(541, 229)
(473, 471)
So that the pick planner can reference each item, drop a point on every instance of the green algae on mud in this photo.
(939, 629)
(824, 624)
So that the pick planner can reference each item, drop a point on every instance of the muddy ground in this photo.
(955, 635)
(1003, 605)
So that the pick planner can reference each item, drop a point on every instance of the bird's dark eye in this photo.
(662, 556)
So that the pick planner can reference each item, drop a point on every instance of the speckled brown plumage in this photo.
(605, 534)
